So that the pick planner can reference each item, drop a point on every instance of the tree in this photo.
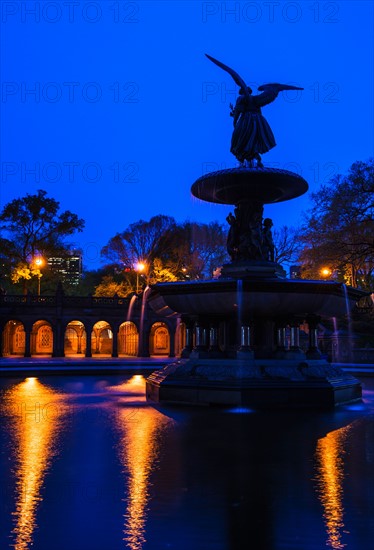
(202, 249)
(287, 245)
(161, 273)
(32, 226)
(168, 250)
(22, 272)
(338, 231)
(142, 241)
(110, 287)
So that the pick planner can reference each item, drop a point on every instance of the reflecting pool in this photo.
(87, 464)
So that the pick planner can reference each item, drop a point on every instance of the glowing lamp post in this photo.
(139, 268)
(39, 262)
(325, 272)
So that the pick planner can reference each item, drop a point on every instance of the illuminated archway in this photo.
(159, 339)
(102, 338)
(14, 338)
(75, 338)
(128, 339)
(41, 338)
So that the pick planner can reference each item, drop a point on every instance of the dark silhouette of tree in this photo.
(202, 248)
(170, 251)
(142, 241)
(32, 225)
(338, 232)
(287, 245)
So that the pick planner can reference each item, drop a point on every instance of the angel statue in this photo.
(252, 135)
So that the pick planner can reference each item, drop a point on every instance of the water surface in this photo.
(87, 464)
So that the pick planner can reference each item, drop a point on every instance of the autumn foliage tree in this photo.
(338, 232)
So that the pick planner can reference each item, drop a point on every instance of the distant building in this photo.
(295, 272)
(69, 268)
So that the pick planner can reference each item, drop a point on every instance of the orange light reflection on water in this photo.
(330, 466)
(34, 414)
(140, 428)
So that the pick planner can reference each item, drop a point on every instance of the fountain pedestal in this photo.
(243, 328)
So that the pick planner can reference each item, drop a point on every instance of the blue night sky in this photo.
(113, 108)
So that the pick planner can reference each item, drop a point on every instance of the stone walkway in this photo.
(79, 365)
(113, 365)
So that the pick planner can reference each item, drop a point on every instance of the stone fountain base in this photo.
(253, 383)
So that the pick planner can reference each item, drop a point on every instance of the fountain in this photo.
(236, 349)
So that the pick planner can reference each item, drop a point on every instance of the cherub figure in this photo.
(268, 243)
(233, 235)
(252, 135)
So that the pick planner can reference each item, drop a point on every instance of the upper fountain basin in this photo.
(235, 185)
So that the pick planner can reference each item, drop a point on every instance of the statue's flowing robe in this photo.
(252, 134)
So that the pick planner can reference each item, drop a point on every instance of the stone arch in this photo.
(42, 338)
(14, 338)
(75, 338)
(128, 339)
(159, 339)
(102, 338)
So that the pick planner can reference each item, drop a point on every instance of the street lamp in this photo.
(39, 262)
(325, 272)
(139, 267)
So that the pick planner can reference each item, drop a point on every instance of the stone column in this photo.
(172, 331)
(88, 341)
(213, 338)
(313, 351)
(200, 349)
(295, 352)
(281, 336)
(186, 351)
(214, 350)
(58, 340)
(200, 337)
(27, 340)
(244, 350)
(294, 337)
(143, 342)
(115, 341)
(245, 338)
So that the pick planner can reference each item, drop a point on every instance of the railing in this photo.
(65, 301)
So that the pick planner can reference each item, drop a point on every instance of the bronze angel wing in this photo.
(240, 82)
(238, 79)
(277, 87)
